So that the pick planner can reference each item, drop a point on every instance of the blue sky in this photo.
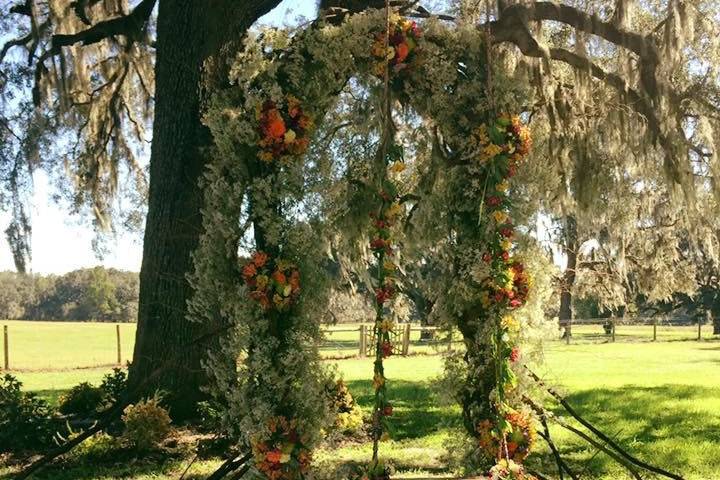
(62, 242)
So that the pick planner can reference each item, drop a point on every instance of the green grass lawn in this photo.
(660, 400)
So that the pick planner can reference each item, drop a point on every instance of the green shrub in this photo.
(26, 421)
(147, 424)
(82, 399)
(114, 385)
(99, 447)
(348, 416)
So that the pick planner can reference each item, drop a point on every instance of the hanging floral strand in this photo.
(508, 437)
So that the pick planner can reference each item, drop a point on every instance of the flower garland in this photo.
(284, 130)
(520, 438)
(274, 284)
(402, 47)
(499, 147)
(284, 455)
(383, 249)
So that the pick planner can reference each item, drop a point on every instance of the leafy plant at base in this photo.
(348, 416)
(147, 424)
(26, 421)
(82, 399)
(114, 385)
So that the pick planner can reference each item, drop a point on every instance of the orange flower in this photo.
(275, 126)
(279, 277)
(304, 122)
(295, 280)
(259, 259)
(249, 270)
(401, 52)
(273, 456)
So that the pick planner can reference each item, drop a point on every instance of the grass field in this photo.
(661, 400)
(42, 346)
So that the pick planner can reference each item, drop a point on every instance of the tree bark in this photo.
(188, 33)
(568, 281)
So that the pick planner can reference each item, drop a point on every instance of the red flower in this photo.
(514, 354)
(378, 244)
(487, 258)
(388, 410)
(386, 348)
(382, 295)
(507, 232)
(515, 303)
(493, 201)
(505, 256)
(512, 170)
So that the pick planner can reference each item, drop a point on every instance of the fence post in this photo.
(406, 340)
(6, 347)
(654, 329)
(363, 339)
(699, 329)
(612, 323)
(119, 348)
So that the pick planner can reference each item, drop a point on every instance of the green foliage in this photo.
(114, 385)
(25, 420)
(99, 447)
(82, 399)
(348, 415)
(147, 424)
(87, 294)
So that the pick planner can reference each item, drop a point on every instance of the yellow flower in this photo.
(490, 150)
(485, 299)
(265, 156)
(378, 381)
(397, 167)
(284, 458)
(262, 281)
(393, 210)
(390, 53)
(500, 216)
(290, 136)
(387, 325)
(506, 244)
(389, 266)
(510, 323)
(502, 186)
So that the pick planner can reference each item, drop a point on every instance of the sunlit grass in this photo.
(659, 400)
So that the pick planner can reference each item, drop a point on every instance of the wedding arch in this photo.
(268, 305)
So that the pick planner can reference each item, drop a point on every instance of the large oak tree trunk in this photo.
(188, 32)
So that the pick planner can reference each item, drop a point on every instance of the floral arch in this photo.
(267, 307)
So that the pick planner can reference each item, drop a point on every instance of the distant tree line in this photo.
(90, 294)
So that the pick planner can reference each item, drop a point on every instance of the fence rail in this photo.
(611, 324)
(48, 346)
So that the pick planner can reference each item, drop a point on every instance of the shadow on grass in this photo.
(666, 425)
(151, 466)
(417, 410)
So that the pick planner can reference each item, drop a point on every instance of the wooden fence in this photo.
(44, 351)
(653, 324)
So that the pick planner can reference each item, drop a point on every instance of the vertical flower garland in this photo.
(509, 434)
(383, 248)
